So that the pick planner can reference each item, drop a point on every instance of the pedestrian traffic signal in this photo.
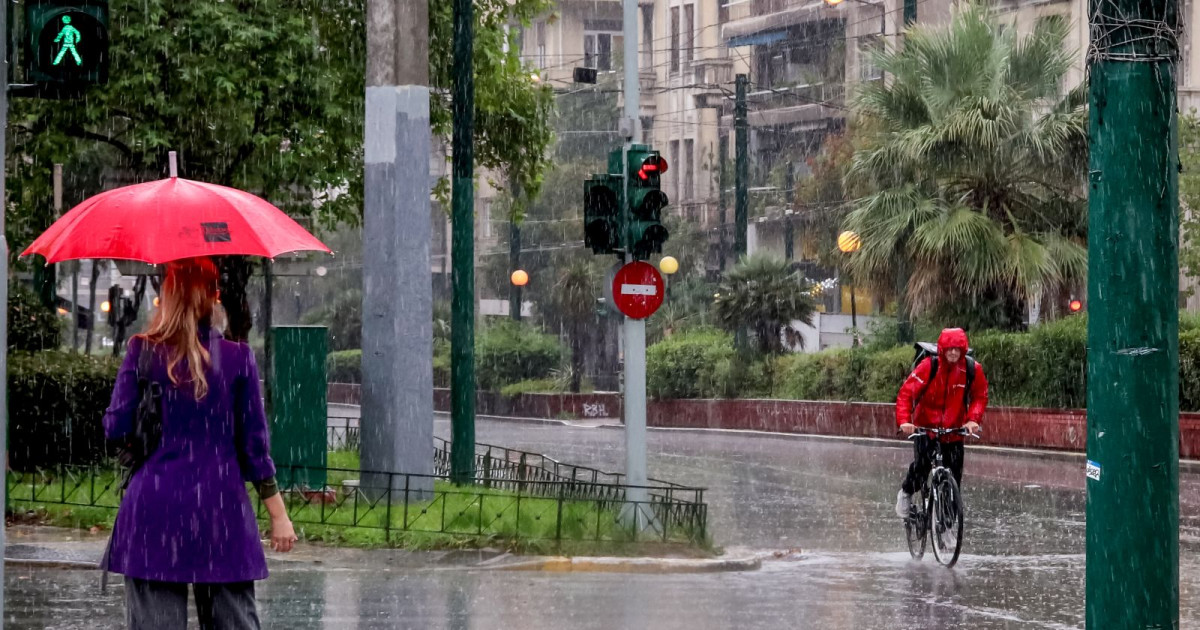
(645, 233)
(67, 42)
(602, 213)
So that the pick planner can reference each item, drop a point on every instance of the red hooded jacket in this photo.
(941, 406)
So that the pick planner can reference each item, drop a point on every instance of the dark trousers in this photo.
(154, 605)
(924, 453)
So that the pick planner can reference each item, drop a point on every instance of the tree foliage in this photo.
(762, 292)
(974, 169)
(1189, 193)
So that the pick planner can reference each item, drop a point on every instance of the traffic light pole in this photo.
(1133, 323)
(3, 287)
(462, 320)
(635, 329)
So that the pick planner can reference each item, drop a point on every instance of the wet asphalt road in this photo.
(1022, 565)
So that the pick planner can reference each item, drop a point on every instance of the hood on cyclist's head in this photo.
(952, 338)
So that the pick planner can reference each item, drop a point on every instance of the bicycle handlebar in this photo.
(940, 432)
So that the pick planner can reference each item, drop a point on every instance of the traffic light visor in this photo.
(653, 165)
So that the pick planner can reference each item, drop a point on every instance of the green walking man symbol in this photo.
(69, 36)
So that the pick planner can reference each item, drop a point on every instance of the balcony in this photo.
(811, 105)
(770, 19)
(711, 74)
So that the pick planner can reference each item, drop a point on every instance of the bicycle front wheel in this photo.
(945, 518)
(917, 525)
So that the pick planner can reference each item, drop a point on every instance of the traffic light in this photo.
(67, 42)
(1075, 305)
(114, 305)
(645, 233)
(602, 213)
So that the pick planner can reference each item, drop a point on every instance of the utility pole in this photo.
(722, 178)
(1133, 323)
(789, 196)
(635, 329)
(462, 317)
(741, 168)
(74, 264)
(3, 284)
(514, 253)
(397, 406)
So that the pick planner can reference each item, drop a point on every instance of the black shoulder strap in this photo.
(970, 381)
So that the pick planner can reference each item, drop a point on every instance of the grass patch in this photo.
(451, 517)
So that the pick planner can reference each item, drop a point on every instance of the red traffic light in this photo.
(653, 165)
(1075, 306)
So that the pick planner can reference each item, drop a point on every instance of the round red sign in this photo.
(638, 290)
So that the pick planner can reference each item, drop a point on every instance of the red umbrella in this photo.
(171, 219)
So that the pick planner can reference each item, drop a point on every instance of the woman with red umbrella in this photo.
(186, 517)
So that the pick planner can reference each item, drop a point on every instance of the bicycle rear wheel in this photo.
(916, 526)
(946, 518)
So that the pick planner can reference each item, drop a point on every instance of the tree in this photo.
(287, 125)
(973, 169)
(575, 296)
(1189, 193)
(763, 293)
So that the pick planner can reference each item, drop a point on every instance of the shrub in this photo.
(441, 362)
(1189, 370)
(695, 364)
(31, 326)
(535, 386)
(56, 407)
(884, 373)
(507, 352)
(828, 375)
(1007, 362)
(1058, 363)
(344, 366)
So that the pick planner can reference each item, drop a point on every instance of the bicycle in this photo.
(940, 497)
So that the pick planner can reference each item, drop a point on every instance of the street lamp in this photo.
(849, 242)
(668, 265)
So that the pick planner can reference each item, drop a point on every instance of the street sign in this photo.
(638, 290)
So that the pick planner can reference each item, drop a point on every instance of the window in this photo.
(868, 46)
(674, 159)
(600, 39)
(674, 39)
(689, 35)
(689, 170)
(648, 130)
(648, 36)
(540, 35)
(485, 218)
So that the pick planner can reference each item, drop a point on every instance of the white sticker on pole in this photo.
(639, 289)
(1093, 470)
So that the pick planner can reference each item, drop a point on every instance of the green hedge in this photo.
(509, 352)
(56, 405)
(1046, 367)
(344, 366)
(694, 364)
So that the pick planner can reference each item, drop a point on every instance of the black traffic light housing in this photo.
(602, 213)
(66, 45)
(645, 232)
(114, 305)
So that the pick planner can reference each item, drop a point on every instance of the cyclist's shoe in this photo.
(903, 503)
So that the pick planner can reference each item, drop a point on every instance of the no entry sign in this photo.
(638, 290)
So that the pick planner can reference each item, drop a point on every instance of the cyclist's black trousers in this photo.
(924, 453)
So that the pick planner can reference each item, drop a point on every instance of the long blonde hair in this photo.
(188, 297)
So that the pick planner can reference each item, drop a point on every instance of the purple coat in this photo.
(187, 516)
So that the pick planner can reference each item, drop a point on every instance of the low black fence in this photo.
(387, 507)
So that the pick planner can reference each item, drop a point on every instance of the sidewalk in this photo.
(55, 547)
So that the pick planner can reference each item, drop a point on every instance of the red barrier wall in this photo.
(1059, 429)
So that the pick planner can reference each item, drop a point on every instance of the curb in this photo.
(657, 566)
(1185, 465)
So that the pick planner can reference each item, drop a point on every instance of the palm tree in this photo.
(575, 296)
(973, 166)
(763, 293)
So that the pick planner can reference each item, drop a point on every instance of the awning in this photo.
(763, 38)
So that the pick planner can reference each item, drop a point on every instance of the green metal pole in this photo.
(741, 168)
(514, 253)
(789, 230)
(722, 182)
(1133, 321)
(462, 320)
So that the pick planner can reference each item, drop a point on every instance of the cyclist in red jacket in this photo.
(940, 394)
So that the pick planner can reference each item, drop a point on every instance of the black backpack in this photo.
(930, 351)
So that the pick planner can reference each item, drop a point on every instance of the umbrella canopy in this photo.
(171, 219)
